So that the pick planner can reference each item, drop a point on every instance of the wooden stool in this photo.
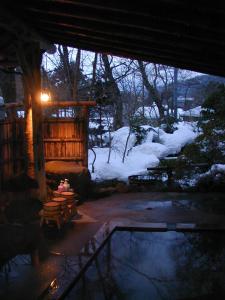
(51, 212)
(63, 205)
(70, 200)
(57, 194)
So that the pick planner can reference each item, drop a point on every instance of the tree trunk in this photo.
(151, 90)
(125, 149)
(77, 74)
(117, 101)
(85, 115)
(64, 57)
(175, 92)
(93, 81)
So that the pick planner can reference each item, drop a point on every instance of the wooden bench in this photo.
(156, 173)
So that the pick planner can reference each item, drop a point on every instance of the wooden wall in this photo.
(64, 139)
(11, 148)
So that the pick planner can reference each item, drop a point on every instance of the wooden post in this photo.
(85, 116)
(30, 57)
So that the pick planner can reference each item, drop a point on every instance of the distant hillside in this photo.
(192, 86)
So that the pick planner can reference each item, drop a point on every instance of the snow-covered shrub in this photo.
(140, 131)
(169, 125)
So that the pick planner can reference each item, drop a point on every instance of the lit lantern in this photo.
(45, 97)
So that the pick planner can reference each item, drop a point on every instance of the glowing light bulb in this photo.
(45, 97)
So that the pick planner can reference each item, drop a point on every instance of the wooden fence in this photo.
(64, 139)
(11, 148)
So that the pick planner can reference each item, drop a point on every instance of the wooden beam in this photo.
(169, 15)
(139, 8)
(172, 60)
(12, 105)
(16, 27)
(151, 47)
(68, 103)
(52, 104)
(79, 42)
(150, 27)
(154, 40)
(30, 56)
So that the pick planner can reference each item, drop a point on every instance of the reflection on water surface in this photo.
(156, 265)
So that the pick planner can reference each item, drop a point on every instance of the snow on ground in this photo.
(156, 149)
(138, 158)
(134, 164)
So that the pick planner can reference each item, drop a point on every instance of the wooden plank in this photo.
(62, 140)
(63, 103)
(64, 158)
(12, 105)
(62, 120)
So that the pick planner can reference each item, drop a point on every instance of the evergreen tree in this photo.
(210, 144)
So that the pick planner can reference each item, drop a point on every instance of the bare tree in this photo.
(64, 58)
(175, 91)
(116, 95)
(151, 87)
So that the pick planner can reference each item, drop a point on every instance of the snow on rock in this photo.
(119, 139)
(218, 168)
(147, 148)
(179, 138)
(149, 136)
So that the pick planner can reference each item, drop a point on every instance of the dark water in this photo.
(154, 265)
(207, 202)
